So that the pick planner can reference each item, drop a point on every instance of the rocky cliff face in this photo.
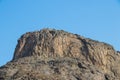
(58, 55)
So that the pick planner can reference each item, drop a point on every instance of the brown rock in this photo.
(58, 55)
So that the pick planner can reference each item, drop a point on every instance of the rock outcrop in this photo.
(58, 55)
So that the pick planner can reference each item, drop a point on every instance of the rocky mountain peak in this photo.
(58, 43)
(64, 56)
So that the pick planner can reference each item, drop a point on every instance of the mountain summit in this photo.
(51, 54)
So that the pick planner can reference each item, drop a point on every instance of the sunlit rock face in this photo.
(51, 54)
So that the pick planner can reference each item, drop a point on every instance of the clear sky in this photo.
(96, 19)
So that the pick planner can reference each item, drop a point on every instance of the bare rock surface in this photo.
(51, 54)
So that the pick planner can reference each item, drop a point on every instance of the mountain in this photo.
(51, 54)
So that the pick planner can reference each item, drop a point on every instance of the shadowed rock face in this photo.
(58, 55)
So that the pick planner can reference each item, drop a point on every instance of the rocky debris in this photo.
(52, 54)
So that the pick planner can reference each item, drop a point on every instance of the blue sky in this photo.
(96, 19)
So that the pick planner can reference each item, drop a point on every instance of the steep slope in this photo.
(58, 55)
